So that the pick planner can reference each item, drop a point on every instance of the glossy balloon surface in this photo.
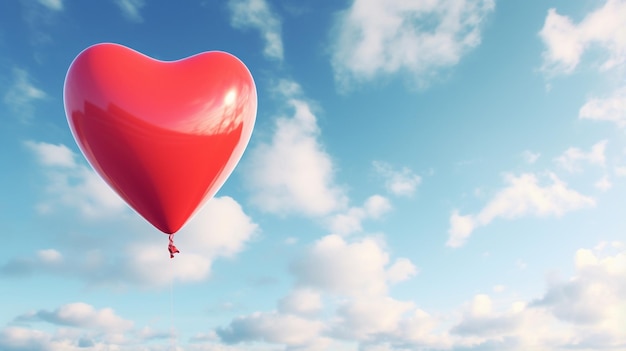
(164, 135)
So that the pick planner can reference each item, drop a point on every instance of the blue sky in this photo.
(423, 175)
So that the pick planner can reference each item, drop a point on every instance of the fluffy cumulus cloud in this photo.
(524, 196)
(293, 173)
(220, 229)
(301, 301)
(480, 319)
(399, 182)
(567, 41)
(610, 109)
(596, 295)
(354, 268)
(256, 14)
(586, 311)
(350, 221)
(351, 278)
(131, 9)
(77, 326)
(271, 327)
(365, 317)
(573, 157)
(378, 37)
(22, 94)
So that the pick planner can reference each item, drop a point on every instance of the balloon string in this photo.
(173, 250)
(172, 336)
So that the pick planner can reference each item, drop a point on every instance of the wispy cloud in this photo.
(73, 185)
(610, 109)
(566, 41)
(603, 183)
(22, 95)
(523, 196)
(375, 38)
(573, 157)
(350, 221)
(293, 173)
(56, 5)
(401, 182)
(131, 9)
(257, 14)
(79, 314)
(530, 157)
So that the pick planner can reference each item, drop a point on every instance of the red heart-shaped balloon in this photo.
(164, 135)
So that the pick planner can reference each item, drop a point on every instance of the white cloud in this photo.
(566, 41)
(530, 157)
(22, 94)
(77, 327)
(461, 227)
(56, 5)
(401, 270)
(219, 229)
(350, 221)
(572, 157)
(584, 312)
(523, 196)
(402, 183)
(611, 109)
(603, 184)
(480, 320)
(131, 9)
(82, 315)
(257, 14)
(49, 256)
(18, 338)
(72, 184)
(272, 328)
(355, 275)
(293, 173)
(499, 288)
(51, 155)
(378, 37)
(596, 294)
(358, 268)
(365, 317)
(301, 301)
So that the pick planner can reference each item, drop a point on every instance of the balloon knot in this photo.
(171, 248)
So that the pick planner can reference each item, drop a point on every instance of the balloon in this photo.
(164, 135)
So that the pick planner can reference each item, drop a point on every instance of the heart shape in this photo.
(164, 135)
